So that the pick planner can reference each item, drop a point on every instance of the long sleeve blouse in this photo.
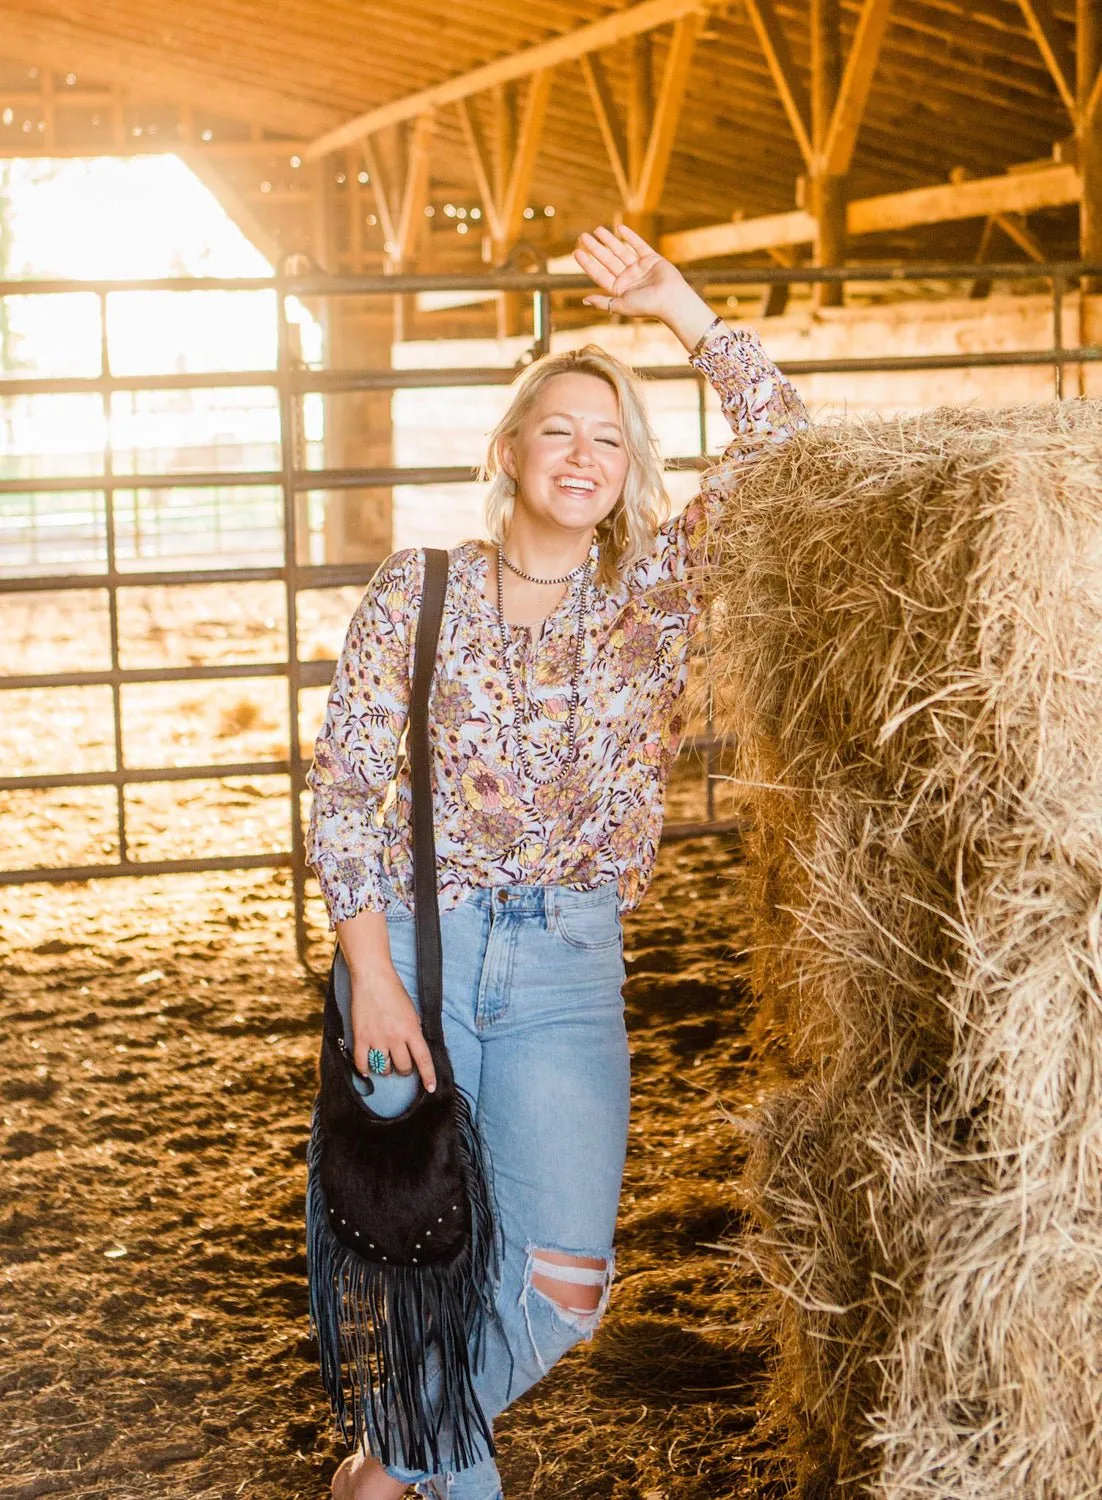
(602, 821)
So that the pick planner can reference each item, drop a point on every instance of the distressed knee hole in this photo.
(573, 1284)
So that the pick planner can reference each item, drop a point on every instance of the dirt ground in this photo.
(158, 1044)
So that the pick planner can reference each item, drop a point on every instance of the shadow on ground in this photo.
(156, 1074)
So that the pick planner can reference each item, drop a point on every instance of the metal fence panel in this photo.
(290, 382)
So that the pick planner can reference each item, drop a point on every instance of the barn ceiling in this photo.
(958, 86)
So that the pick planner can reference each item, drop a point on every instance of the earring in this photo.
(510, 486)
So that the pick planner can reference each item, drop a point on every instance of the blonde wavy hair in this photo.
(630, 530)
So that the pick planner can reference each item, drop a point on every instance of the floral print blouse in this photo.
(602, 821)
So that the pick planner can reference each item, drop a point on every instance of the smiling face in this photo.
(569, 458)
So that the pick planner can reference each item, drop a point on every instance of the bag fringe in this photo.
(399, 1345)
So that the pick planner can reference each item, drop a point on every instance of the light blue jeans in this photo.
(534, 1024)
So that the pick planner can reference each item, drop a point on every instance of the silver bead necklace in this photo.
(531, 578)
(522, 715)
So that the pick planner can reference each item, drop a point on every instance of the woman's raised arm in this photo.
(760, 403)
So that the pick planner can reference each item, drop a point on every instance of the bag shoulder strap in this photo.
(426, 909)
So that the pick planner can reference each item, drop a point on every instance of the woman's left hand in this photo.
(635, 279)
(639, 283)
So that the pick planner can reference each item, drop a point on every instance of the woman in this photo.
(562, 658)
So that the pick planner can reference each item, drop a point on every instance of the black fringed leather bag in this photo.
(401, 1250)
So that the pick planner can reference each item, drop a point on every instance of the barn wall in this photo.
(449, 427)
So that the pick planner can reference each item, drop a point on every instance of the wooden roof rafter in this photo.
(853, 92)
(954, 83)
(1041, 20)
(640, 167)
(400, 210)
(51, 41)
(835, 153)
(634, 21)
(1080, 88)
(503, 185)
(789, 85)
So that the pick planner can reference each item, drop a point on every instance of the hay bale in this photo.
(909, 650)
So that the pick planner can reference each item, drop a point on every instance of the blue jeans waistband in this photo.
(546, 900)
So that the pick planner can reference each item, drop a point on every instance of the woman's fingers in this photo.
(617, 244)
(606, 256)
(421, 1058)
(406, 1053)
(636, 241)
(359, 1055)
(413, 1052)
(400, 1059)
(594, 269)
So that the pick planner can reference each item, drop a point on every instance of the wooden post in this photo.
(775, 301)
(510, 307)
(505, 136)
(1088, 58)
(359, 332)
(1088, 61)
(355, 211)
(826, 193)
(639, 116)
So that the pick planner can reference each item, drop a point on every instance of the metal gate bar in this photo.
(290, 383)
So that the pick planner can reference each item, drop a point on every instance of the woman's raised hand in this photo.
(633, 277)
(638, 282)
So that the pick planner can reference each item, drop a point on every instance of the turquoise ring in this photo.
(378, 1061)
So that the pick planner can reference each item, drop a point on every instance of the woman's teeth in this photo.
(577, 486)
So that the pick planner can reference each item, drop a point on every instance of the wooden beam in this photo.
(1058, 60)
(1014, 227)
(826, 196)
(385, 202)
(793, 96)
(741, 237)
(524, 158)
(482, 164)
(1089, 115)
(632, 21)
(1088, 56)
(155, 146)
(826, 71)
(239, 210)
(54, 40)
(505, 135)
(1088, 154)
(648, 188)
(415, 192)
(981, 287)
(1009, 192)
(775, 300)
(640, 103)
(357, 242)
(853, 93)
(608, 120)
(1088, 65)
(983, 197)
(508, 308)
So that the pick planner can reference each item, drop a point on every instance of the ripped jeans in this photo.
(534, 1023)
